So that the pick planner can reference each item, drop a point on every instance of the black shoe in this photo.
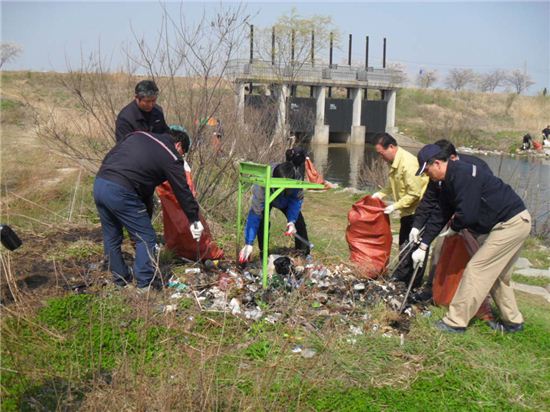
(423, 296)
(505, 327)
(442, 326)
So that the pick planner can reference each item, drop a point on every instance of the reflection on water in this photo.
(529, 176)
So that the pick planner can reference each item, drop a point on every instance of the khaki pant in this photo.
(489, 271)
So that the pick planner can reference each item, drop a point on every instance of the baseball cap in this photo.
(425, 155)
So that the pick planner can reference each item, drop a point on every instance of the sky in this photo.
(433, 35)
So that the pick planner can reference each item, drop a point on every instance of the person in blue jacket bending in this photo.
(289, 202)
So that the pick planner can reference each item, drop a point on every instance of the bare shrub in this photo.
(188, 62)
(426, 79)
(519, 80)
(458, 79)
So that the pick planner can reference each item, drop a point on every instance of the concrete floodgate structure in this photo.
(353, 120)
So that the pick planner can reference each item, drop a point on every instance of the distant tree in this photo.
(426, 79)
(9, 52)
(398, 74)
(488, 82)
(519, 81)
(458, 79)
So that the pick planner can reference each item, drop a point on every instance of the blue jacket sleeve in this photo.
(295, 200)
(252, 226)
(254, 215)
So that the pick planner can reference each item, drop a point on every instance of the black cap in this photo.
(425, 155)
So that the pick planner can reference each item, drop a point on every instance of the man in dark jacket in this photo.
(124, 184)
(482, 203)
(142, 114)
(428, 213)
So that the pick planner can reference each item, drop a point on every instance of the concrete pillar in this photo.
(356, 159)
(320, 156)
(240, 103)
(282, 93)
(321, 131)
(357, 136)
(390, 97)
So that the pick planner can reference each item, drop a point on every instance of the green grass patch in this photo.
(531, 280)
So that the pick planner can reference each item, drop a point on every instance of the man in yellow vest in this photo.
(407, 190)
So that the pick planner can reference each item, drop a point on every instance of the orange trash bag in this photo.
(369, 236)
(312, 175)
(177, 235)
(455, 254)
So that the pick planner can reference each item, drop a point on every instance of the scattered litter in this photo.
(235, 306)
(336, 291)
(297, 349)
(308, 353)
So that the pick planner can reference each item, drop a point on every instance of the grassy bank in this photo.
(109, 349)
(114, 350)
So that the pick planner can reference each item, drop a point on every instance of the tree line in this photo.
(461, 79)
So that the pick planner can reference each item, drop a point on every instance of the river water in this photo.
(528, 175)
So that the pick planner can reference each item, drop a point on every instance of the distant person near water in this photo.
(527, 139)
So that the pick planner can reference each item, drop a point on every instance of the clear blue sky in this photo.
(429, 35)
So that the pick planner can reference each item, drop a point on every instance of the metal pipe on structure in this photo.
(367, 53)
(349, 51)
(384, 55)
(273, 46)
(292, 46)
(312, 47)
(348, 92)
(330, 49)
(312, 58)
(330, 60)
(251, 42)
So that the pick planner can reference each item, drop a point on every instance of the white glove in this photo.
(290, 229)
(414, 235)
(418, 257)
(448, 232)
(377, 195)
(196, 229)
(389, 209)
(245, 253)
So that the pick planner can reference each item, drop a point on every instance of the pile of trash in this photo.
(321, 291)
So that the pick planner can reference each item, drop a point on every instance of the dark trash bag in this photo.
(9, 239)
(369, 236)
(282, 265)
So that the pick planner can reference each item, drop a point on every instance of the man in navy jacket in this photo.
(482, 203)
(123, 186)
(142, 114)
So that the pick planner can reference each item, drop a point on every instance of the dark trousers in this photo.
(301, 229)
(405, 271)
(118, 207)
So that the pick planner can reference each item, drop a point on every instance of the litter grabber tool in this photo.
(407, 248)
(409, 289)
(304, 241)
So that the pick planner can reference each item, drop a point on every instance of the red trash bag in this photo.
(369, 236)
(177, 235)
(537, 145)
(312, 175)
(455, 254)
